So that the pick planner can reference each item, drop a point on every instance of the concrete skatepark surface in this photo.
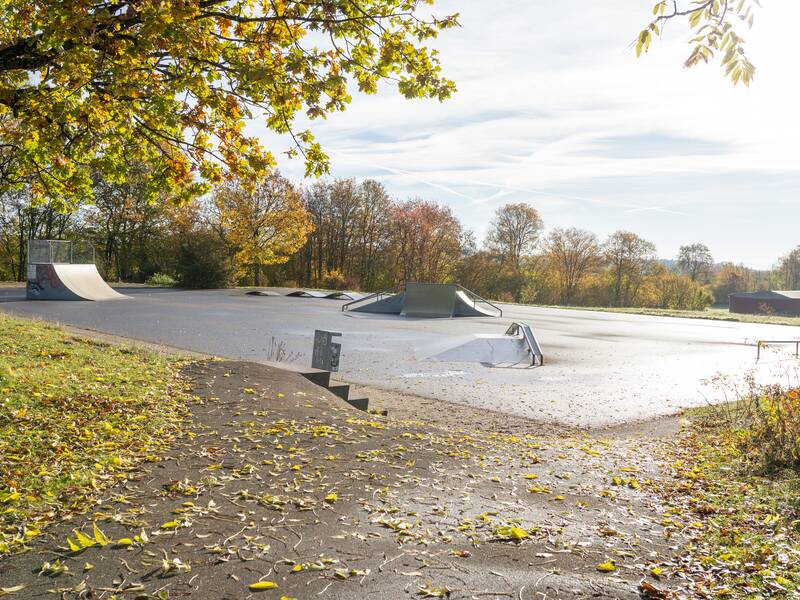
(600, 368)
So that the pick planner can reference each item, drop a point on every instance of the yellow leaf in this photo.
(170, 525)
(125, 542)
(607, 567)
(73, 546)
(331, 498)
(99, 536)
(10, 497)
(263, 585)
(84, 540)
(11, 590)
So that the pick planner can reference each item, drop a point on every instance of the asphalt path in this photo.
(600, 368)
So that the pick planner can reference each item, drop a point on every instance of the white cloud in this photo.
(544, 86)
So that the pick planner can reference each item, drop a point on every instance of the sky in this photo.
(554, 109)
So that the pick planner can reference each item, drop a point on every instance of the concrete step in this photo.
(359, 403)
(340, 389)
(317, 376)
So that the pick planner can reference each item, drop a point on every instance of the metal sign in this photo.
(326, 353)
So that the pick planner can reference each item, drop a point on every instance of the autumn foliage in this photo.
(91, 87)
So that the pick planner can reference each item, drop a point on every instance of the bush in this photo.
(203, 261)
(771, 436)
(161, 280)
(334, 280)
(765, 425)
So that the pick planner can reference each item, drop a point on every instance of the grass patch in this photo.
(713, 314)
(739, 512)
(76, 416)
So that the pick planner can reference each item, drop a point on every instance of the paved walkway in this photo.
(280, 482)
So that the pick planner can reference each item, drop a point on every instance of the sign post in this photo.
(326, 352)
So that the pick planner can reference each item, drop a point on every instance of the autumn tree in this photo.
(426, 242)
(788, 270)
(89, 86)
(514, 232)
(695, 260)
(374, 226)
(265, 225)
(513, 235)
(731, 278)
(628, 257)
(677, 291)
(571, 254)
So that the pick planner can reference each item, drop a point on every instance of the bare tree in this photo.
(513, 236)
(572, 254)
(514, 232)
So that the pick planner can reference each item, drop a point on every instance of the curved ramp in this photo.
(68, 282)
(466, 307)
(346, 296)
(307, 294)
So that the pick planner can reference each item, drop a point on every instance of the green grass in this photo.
(742, 525)
(714, 314)
(76, 416)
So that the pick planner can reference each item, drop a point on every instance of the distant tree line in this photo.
(347, 234)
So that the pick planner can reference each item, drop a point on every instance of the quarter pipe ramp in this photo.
(67, 282)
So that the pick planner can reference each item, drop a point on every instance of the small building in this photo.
(766, 303)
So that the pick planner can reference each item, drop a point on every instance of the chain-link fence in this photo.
(60, 252)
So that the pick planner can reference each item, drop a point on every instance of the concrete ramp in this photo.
(465, 307)
(487, 349)
(428, 300)
(346, 296)
(308, 294)
(261, 293)
(391, 305)
(67, 282)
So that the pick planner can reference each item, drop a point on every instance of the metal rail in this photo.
(375, 297)
(764, 343)
(533, 344)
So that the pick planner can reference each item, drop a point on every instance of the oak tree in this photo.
(91, 86)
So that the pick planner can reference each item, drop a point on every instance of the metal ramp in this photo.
(426, 300)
